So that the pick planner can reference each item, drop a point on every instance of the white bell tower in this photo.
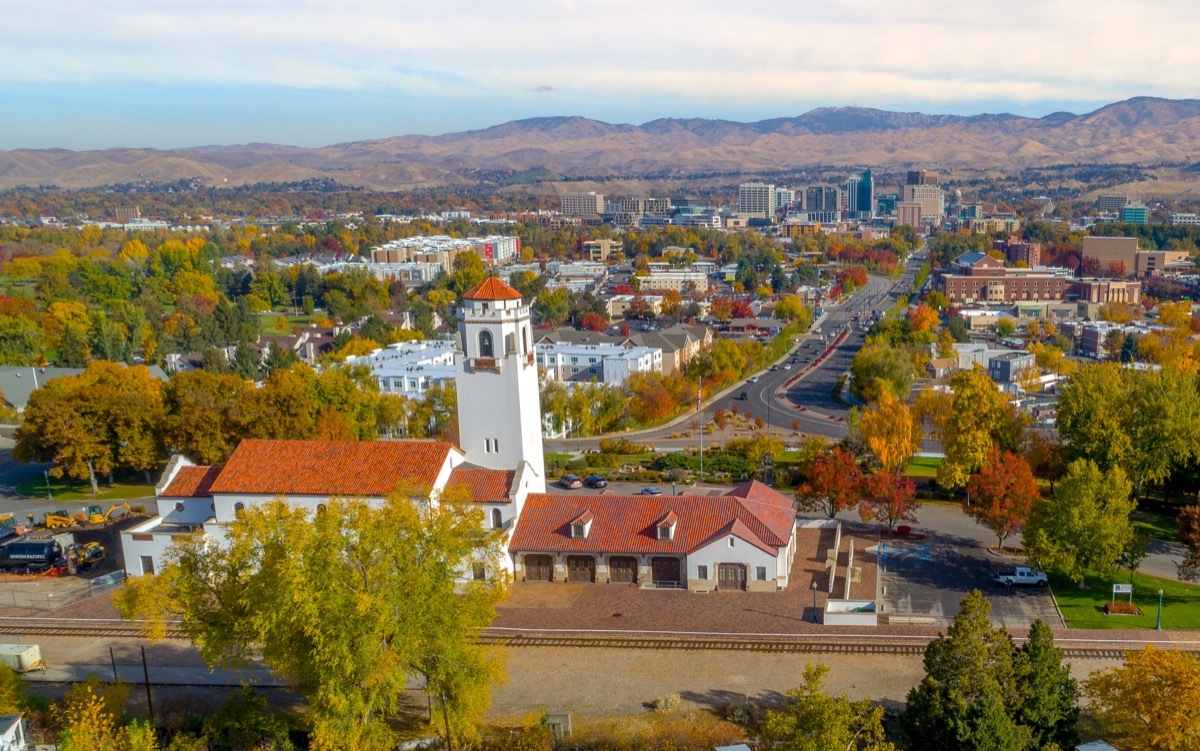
(499, 406)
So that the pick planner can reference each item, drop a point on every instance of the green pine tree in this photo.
(1048, 694)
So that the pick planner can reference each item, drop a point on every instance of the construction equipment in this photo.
(26, 556)
(56, 519)
(95, 517)
(82, 557)
(8, 525)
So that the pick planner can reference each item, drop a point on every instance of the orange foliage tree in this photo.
(1001, 494)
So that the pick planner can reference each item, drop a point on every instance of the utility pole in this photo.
(699, 392)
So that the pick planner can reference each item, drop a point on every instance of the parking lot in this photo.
(923, 581)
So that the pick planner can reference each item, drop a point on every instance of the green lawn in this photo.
(1155, 525)
(923, 467)
(1085, 609)
(266, 322)
(66, 489)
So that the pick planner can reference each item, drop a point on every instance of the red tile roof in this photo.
(629, 524)
(343, 468)
(482, 485)
(191, 482)
(492, 288)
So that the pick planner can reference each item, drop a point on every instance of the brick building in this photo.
(976, 277)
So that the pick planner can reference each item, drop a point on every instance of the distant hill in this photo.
(1142, 130)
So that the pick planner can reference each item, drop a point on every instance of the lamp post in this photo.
(1158, 626)
(814, 589)
(49, 493)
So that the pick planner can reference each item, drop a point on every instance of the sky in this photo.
(81, 74)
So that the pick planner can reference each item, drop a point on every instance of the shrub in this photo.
(667, 703)
(604, 460)
(621, 446)
(577, 464)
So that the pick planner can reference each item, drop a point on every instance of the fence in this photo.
(12, 597)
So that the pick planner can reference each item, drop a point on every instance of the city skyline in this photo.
(220, 72)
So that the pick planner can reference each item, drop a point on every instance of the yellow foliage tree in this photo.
(1177, 315)
(133, 251)
(892, 432)
(1117, 312)
(1149, 703)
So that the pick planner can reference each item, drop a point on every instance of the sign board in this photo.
(1122, 589)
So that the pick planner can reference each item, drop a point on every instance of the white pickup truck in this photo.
(1021, 576)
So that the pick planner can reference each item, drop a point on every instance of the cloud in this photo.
(703, 55)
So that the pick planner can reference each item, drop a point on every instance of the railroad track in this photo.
(799, 645)
(61, 628)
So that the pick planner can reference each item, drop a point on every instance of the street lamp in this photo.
(814, 589)
(1158, 626)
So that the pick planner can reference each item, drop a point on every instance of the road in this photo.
(807, 400)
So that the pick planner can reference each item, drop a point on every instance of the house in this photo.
(941, 367)
(12, 733)
(18, 382)
(743, 540)
(1008, 366)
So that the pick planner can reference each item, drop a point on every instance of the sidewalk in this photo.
(159, 676)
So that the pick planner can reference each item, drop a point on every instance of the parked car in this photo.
(570, 482)
(651, 490)
(743, 396)
(752, 379)
(774, 368)
(1021, 576)
(596, 481)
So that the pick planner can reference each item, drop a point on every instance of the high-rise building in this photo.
(582, 204)
(756, 199)
(908, 213)
(931, 198)
(860, 196)
(923, 177)
(1135, 213)
(885, 204)
(822, 198)
(784, 197)
(1111, 204)
(126, 214)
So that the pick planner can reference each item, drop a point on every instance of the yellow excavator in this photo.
(57, 519)
(95, 517)
(83, 557)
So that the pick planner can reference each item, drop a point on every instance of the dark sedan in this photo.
(596, 481)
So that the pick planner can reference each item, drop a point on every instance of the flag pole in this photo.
(700, 410)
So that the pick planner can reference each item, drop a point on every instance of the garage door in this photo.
(731, 576)
(581, 568)
(665, 570)
(538, 568)
(622, 570)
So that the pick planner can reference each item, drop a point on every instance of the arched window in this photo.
(510, 344)
(485, 344)
(320, 508)
(239, 507)
(497, 519)
(524, 340)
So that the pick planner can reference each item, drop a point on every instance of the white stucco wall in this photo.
(195, 510)
(719, 551)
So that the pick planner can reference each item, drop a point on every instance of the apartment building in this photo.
(599, 251)
(757, 199)
(582, 204)
(603, 363)
(930, 197)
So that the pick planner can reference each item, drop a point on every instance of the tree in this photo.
(889, 499)
(1001, 494)
(834, 483)
(879, 367)
(207, 415)
(347, 604)
(923, 317)
(1048, 696)
(1005, 327)
(245, 723)
(90, 720)
(814, 721)
(106, 417)
(1085, 526)
(468, 271)
(1188, 523)
(593, 321)
(1149, 702)
(791, 309)
(892, 432)
(964, 700)
(12, 691)
(977, 418)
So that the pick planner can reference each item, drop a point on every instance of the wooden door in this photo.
(581, 568)
(622, 570)
(539, 568)
(731, 576)
(665, 570)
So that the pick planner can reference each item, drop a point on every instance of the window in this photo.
(485, 344)
(664, 532)
(478, 571)
(578, 530)
(320, 508)
(524, 340)
(702, 572)
(497, 519)
(731, 542)
(179, 505)
(760, 573)
(239, 507)
(147, 565)
(510, 344)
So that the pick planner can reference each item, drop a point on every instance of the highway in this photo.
(801, 394)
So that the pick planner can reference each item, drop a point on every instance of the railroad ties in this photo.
(64, 627)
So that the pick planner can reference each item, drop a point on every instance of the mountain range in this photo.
(1143, 130)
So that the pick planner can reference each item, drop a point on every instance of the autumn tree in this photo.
(90, 720)
(923, 317)
(811, 720)
(891, 431)
(1188, 525)
(106, 417)
(880, 367)
(206, 415)
(889, 499)
(1001, 494)
(975, 418)
(1149, 702)
(1085, 525)
(593, 321)
(834, 483)
(346, 604)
